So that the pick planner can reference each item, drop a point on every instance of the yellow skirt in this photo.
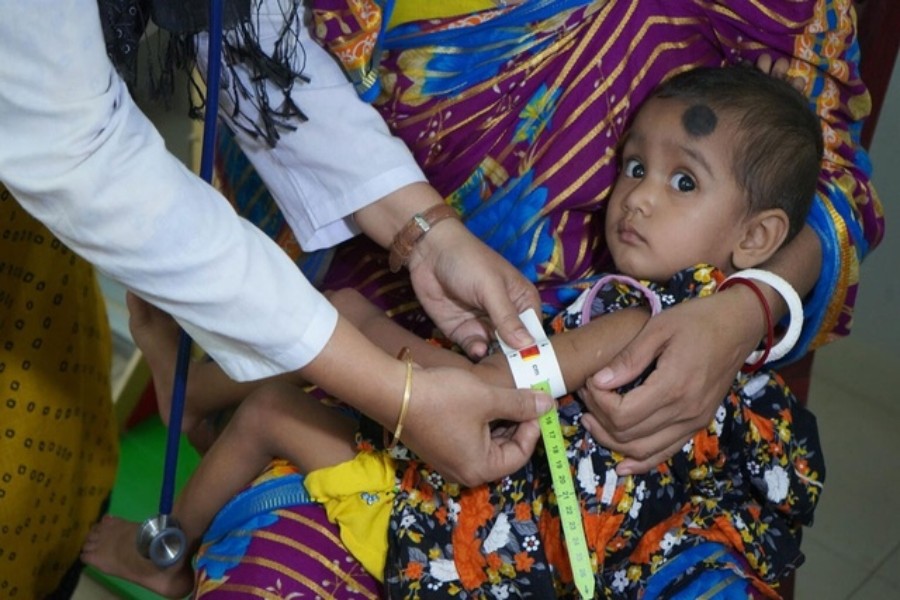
(58, 438)
(358, 496)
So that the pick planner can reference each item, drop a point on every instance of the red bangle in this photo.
(770, 325)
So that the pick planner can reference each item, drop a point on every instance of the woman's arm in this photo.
(467, 288)
(820, 45)
(448, 423)
(650, 422)
(81, 157)
(341, 172)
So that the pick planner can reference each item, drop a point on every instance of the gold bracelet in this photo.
(407, 393)
(413, 232)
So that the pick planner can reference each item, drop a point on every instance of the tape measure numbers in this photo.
(536, 367)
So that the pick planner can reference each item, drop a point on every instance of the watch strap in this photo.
(413, 232)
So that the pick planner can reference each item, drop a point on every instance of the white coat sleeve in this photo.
(340, 160)
(79, 155)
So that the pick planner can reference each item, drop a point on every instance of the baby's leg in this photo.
(208, 388)
(277, 421)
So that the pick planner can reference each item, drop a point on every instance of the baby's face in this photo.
(676, 202)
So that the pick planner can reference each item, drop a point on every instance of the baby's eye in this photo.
(683, 183)
(633, 168)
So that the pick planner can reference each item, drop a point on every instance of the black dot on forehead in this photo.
(699, 120)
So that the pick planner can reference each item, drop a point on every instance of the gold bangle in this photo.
(407, 393)
(413, 232)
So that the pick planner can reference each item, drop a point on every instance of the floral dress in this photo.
(731, 502)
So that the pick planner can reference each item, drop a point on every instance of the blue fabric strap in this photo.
(260, 499)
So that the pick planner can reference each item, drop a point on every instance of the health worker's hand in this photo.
(449, 425)
(469, 290)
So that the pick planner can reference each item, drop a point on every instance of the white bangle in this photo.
(535, 367)
(795, 308)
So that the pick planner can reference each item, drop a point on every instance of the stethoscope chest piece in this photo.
(162, 540)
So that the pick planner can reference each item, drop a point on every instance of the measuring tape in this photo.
(536, 367)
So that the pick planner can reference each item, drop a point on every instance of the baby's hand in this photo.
(778, 68)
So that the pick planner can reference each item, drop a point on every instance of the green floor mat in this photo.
(138, 482)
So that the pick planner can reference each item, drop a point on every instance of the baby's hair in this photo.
(778, 152)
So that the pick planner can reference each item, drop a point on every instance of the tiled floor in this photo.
(853, 550)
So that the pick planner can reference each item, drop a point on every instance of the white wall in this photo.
(877, 318)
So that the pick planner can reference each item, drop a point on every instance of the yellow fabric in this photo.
(58, 437)
(358, 495)
(417, 10)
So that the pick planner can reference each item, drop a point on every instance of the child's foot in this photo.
(158, 336)
(111, 547)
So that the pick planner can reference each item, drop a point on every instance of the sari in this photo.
(515, 112)
(60, 444)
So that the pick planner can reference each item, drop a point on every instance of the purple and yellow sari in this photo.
(515, 114)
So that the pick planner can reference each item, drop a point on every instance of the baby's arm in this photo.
(386, 334)
(584, 351)
(581, 352)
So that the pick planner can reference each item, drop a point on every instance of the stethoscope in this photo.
(161, 538)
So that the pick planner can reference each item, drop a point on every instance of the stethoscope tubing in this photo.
(210, 118)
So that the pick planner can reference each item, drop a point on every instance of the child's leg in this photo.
(278, 420)
(209, 390)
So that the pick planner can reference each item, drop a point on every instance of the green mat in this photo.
(138, 482)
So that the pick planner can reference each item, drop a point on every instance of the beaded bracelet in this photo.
(794, 304)
(757, 358)
(407, 393)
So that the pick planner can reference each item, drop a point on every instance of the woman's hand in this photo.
(450, 412)
(449, 425)
(468, 289)
(465, 287)
(698, 346)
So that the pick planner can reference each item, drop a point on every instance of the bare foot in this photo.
(158, 336)
(111, 547)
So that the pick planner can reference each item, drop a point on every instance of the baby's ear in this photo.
(763, 235)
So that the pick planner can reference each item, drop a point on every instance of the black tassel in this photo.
(125, 21)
